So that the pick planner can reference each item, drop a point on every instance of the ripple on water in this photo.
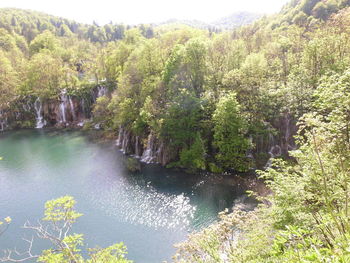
(145, 205)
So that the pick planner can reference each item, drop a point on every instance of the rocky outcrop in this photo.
(279, 139)
(73, 111)
(65, 110)
(148, 149)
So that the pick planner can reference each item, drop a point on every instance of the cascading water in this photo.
(160, 153)
(120, 137)
(125, 143)
(137, 147)
(288, 133)
(2, 125)
(71, 104)
(148, 155)
(274, 152)
(3, 121)
(40, 122)
(26, 106)
(101, 91)
(123, 140)
(65, 105)
(64, 99)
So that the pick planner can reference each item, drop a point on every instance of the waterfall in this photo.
(271, 141)
(123, 140)
(83, 108)
(3, 121)
(72, 108)
(137, 147)
(250, 151)
(120, 137)
(125, 143)
(101, 91)
(160, 153)
(64, 100)
(66, 103)
(148, 155)
(288, 133)
(40, 122)
(275, 151)
(26, 106)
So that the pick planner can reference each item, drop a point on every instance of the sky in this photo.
(144, 11)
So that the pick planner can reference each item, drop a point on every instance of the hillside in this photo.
(236, 20)
(204, 101)
(226, 23)
(29, 24)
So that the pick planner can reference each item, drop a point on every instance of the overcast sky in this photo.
(144, 11)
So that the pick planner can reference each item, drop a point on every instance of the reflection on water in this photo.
(149, 211)
(138, 205)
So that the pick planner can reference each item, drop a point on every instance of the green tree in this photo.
(45, 76)
(9, 80)
(193, 158)
(60, 217)
(46, 40)
(230, 134)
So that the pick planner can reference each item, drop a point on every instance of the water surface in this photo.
(149, 211)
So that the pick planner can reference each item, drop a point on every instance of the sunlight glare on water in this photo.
(149, 211)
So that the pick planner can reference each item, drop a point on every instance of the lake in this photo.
(149, 211)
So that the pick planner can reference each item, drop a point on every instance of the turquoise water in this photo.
(149, 211)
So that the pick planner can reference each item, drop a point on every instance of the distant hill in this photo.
(236, 20)
(229, 22)
(192, 23)
(29, 24)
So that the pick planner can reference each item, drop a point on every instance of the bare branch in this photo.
(15, 256)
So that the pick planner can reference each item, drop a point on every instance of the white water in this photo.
(102, 91)
(63, 103)
(125, 143)
(120, 137)
(274, 152)
(40, 122)
(148, 155)
(123, 140)
(137, 147)
(66, 106)
(26, 106)
(71, 104)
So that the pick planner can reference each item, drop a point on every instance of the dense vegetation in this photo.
(216, 100)
(307, 217)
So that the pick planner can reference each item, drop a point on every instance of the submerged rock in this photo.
(133, 165)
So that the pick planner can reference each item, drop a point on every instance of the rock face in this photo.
(73, 111)
(65, 110)
(149, 149)
(281, 143)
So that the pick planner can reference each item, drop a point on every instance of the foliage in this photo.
(171, 80)
(60, 216)
(4, 224)
(229, 134)
(194, 157)
(306, 219)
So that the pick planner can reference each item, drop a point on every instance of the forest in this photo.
(272, 95)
